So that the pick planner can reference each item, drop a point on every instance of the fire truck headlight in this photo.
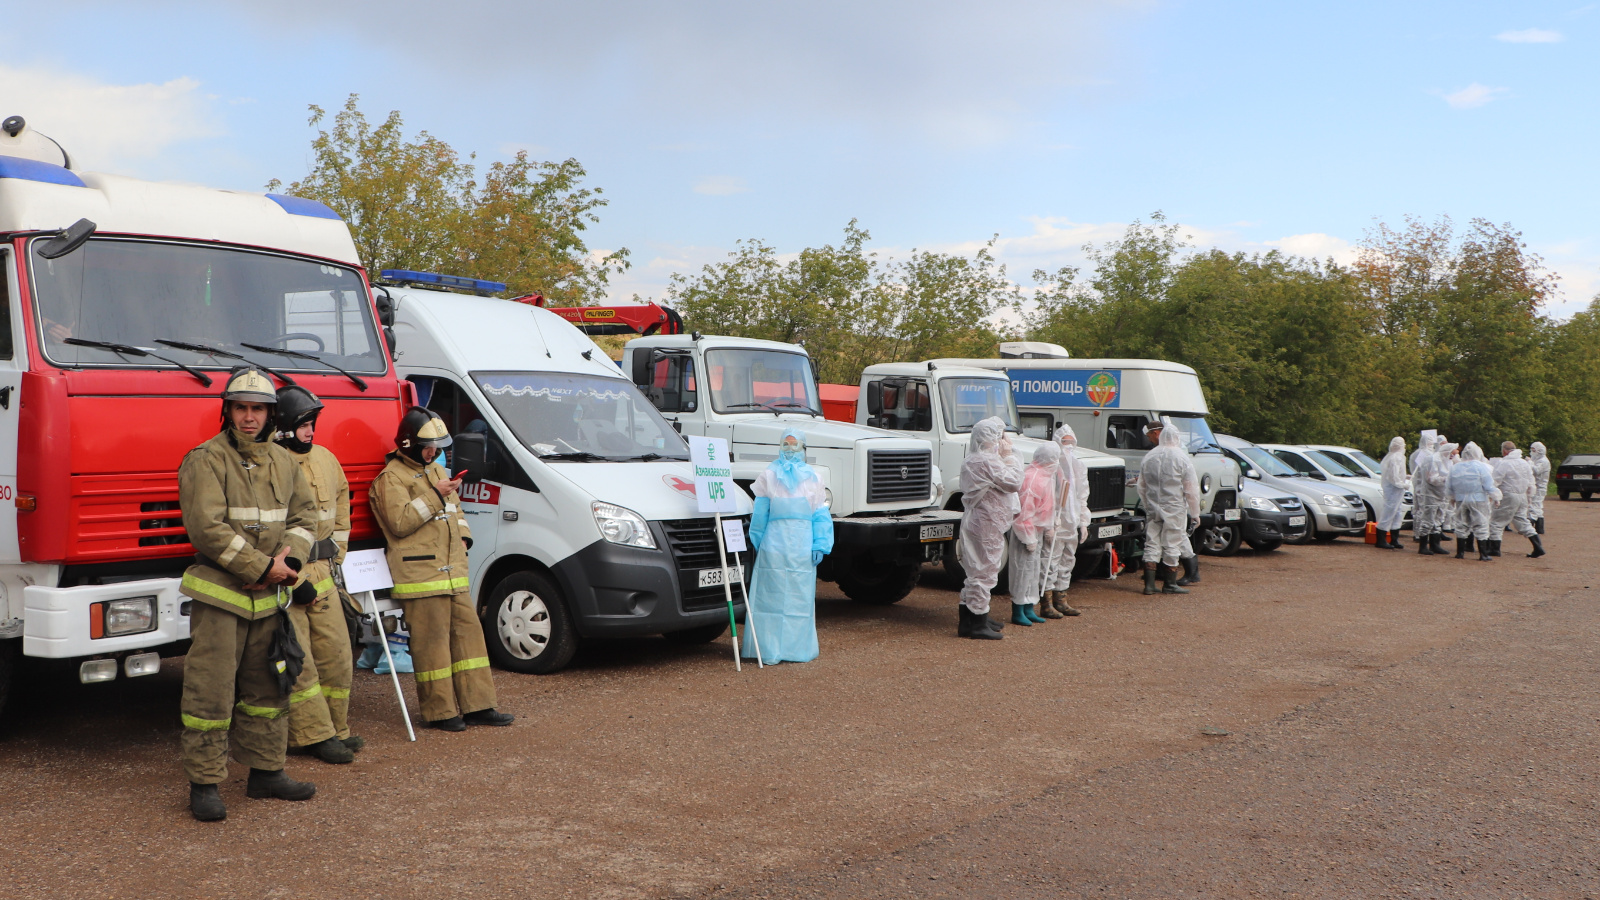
(131, 616)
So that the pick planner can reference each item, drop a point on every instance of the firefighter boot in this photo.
(1047, 605)
(1150, 580)
(1463, 547)
(1065, 608)
(264, 784)
(490, 716)
(354, 742)
(1191, 569)
(454, 723)
(331, 750)
(206, 803)
(1169, 578)
(1538, 547)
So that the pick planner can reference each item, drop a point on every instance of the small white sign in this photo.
(713, 475)
(733, 535)
(366, 570)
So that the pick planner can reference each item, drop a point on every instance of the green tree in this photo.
(416, 204)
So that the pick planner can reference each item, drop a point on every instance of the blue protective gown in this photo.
(789, 525)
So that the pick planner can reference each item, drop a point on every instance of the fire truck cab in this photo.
(123, 305)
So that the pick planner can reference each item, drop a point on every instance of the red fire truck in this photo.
(125, 303)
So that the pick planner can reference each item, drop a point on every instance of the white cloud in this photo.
(1473, 96)
(720, 185)
(109, 127)
(1531, 36)
(1316, 246)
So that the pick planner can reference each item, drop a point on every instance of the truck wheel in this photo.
(527, 626)
(1220, 540)
(864, 582)
(704, 634)
(1264, 546)
(8, 665)
(1564, 495)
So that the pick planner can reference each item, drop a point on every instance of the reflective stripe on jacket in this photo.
(331, 491)
(242, 502)
(425, 531)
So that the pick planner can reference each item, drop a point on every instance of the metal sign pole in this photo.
(383, 637)
(727, 591)
(749, 611)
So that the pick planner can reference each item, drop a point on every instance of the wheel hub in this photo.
(523, 624)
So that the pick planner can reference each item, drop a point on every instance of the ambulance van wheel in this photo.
(877, 585)
(527, 626)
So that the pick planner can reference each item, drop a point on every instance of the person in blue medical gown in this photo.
(791, 531)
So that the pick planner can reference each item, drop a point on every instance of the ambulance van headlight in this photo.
(621, 525)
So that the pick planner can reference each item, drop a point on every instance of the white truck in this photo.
(1108, 403)
(884, 489)
(940, 400)
(579, 494)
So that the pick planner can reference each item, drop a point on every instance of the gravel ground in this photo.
(1398, 724)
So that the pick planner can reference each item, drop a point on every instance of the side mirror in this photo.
(470, 451)
(874, 398)
(1252, 473)
(385, 305)
(67, 241)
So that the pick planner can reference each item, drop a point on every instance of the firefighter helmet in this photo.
(421, 427)
(296, 407)
(248, 384)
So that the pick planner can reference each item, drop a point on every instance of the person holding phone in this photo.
(416, 505)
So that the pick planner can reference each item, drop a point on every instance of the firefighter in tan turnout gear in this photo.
(320, 703)
(417, 507)
(250, 515)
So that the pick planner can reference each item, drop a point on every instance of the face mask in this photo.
(794, 454)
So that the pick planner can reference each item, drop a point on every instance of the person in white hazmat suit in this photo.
(991, 475)
(1472, 488)
(1539, 459)
(1421, 500)
(1033, 527)
(1395, 480)
(1169, 489)
(791, 530)
(1072, 526)
(1428, 477)
(1514, 478)
(1448, 455)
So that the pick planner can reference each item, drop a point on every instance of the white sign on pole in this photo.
(713, 475)
(366, 570)
(733, 535)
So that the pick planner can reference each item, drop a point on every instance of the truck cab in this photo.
(941, 400)
(1109, 403)
(123, 305)
(579, 494)
(884, 489)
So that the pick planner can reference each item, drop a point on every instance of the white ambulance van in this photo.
(579, 494)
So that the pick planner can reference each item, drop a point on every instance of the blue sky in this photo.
(936, 124)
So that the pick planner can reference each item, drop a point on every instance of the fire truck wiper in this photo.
(129, 350)
(226, 354)
(298, 354)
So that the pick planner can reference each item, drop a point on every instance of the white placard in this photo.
(713, 475)
(366, 570)
(733, 535)
(1429, 434)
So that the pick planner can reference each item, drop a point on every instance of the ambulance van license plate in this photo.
(1110, 531)
(713, 577)
(943, 532)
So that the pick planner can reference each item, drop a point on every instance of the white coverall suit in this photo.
(1394, 486)
(1472, 488)
(1539, 459)
(989, 485)
(1170, 492)
(1072, 512)
(1514, 478)
(1427, 483)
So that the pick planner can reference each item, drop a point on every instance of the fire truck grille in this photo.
(899, 476)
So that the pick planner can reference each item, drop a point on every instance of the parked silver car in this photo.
(1330, 508)
(1363, 495)
(1365, 466)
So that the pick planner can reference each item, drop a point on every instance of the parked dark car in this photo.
(1270, 517)
(1578, 474)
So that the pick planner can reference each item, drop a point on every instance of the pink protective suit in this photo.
(1035, 524)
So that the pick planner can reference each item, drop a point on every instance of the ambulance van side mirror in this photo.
(469, 451)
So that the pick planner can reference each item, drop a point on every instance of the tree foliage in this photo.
(849, 307)
(417, 204)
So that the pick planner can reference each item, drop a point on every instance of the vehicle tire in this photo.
(1326, 536)
(703, 634)
(1586, 494)
(1218, 540)
(527, 625)
(1564, 495)
(10, 649)
(1264, 546)
(864, 582)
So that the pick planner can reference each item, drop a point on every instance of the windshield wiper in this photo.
(129, 350)
(772, 407)
(228, 354)
(576, 456)
(803, 406)
(298, 354)
(651, 457)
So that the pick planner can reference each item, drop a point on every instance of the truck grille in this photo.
(693, 545)
(1106, 488)
(895, 476)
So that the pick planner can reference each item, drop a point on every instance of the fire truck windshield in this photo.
(133, 292)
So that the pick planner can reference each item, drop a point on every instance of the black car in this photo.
(1270, 518)
(1578, 474)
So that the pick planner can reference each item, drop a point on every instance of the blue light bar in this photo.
(477, 285)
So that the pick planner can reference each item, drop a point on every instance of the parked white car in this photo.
(1362, 497)
(1364, 465)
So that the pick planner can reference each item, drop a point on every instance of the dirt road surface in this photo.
(1398, 725)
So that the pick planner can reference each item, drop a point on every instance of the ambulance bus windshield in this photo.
(968, 401)
(580, 417)
(135, 292)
